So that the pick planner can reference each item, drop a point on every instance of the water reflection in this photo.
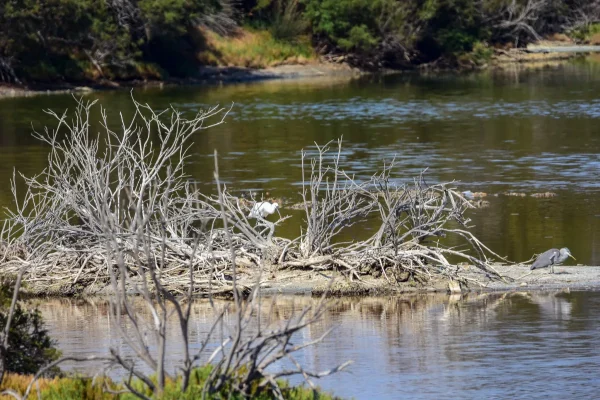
(525, 344)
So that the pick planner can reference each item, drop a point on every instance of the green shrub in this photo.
(359, 38)
(482, 53)
(50, 40)
(29, 346)
(586, 32)
(349, 24)
(288, 23)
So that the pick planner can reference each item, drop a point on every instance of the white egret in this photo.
(262, 209)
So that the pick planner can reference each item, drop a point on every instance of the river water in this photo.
(524, 131)
(513, 345)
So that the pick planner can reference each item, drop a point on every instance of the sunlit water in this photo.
(525, 345)
(528, 131)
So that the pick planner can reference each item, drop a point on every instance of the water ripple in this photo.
(394, 110)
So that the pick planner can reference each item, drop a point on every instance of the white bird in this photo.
(262, 209)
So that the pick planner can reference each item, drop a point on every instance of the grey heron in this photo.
(262, 209)
(551, 258)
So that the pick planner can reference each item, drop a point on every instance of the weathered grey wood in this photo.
(564, 49)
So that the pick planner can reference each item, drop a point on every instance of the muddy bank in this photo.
(9, 91)
(573, 277)
(292, 282)
(205, 76)
(338, 68)
(508, 58)
(238, 74)
(542, 52)
(516, 277)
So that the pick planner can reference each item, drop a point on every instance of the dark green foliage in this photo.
(454, 25)
(424, 30)
(62, 39)
(29, 346)
(78, 40)
(433, 27)
(88, 40)
(349, 24)
(287, 21)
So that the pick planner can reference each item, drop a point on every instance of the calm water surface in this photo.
(530, 131)
(525, 345)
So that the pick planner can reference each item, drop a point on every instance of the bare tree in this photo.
(7, 72)
(134, 209)
(332, 201)
(581, 15)
(518, 20)
(412, 221)
(414, 218)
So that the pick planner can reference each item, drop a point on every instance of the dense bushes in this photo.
(50, 40)
(423, 30)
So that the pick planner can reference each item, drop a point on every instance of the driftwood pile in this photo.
(122, 197)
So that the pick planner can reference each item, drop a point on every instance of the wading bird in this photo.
(551, 258)
(262, 209)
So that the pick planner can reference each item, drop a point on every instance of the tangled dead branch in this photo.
(244, 359)
(127, 183)
(412, 222)
(111, 178)
(117, 208)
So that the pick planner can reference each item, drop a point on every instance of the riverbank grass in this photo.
(253, 48)
(84, 388)
(589, 34)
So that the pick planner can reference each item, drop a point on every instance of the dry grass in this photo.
(253, 49)
(19, 383)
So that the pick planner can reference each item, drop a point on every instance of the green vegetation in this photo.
(255, 49)
(414, 31)
(77, 40)
(479, 56)
(89, 40)
(588, 33)
(66, 388)
(29, 346)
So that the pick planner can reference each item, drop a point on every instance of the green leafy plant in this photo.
(288, 23)
(29, 346)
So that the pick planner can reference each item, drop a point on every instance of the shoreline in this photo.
(315, 283)
(211, 76)
(565, 277)
(207, 76)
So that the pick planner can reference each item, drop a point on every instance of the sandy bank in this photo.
(312, 70)
(565, 277)
(305, 282)
(573, 277)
